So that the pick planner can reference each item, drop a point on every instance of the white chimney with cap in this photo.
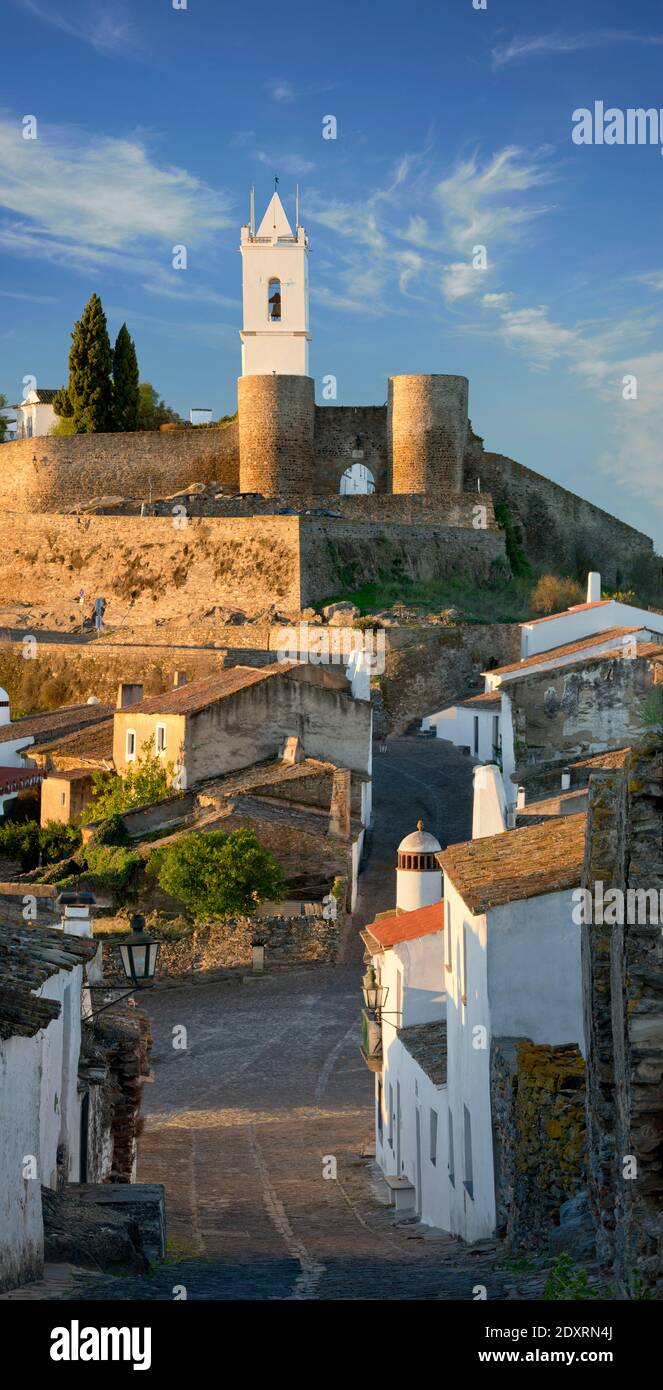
(418, 873)
(593, 587)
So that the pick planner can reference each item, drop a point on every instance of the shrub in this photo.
(217, 874)
(112, 831)
(513, 540)
(568, 1281)
(27, 841)
(552, 594)
(148, 779)
(111, 866)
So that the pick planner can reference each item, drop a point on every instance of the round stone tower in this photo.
(418, 875)
(427, 433)
(276, 423)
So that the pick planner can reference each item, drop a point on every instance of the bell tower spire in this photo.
(275, 334)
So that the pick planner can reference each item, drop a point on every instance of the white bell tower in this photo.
(275, 334)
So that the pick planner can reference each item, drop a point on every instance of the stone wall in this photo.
(539, 1135)
(342, 432)
(426, 675)
(578, 710)
(226, 945)
(427, 432)
(340, 556)
(51, 473)
(560, 529)
(623, 1001)
(147, 567)
(276, 424)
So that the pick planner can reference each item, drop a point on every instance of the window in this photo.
(63, 798)
(378, 1102)
(447, 934)
(496, 736)
(274, 301)
(391, 1115)
(432, 1151)
(160, 738)
(468, 1180)
(130, 747)
(475, 740)
(452, 1172)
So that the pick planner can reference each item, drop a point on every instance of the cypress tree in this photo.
(125, 382)
(90, 387)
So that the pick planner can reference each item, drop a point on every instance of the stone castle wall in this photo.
(427, 433)
(276, 427)
(348, 434)
(559, 529)
(52, 473)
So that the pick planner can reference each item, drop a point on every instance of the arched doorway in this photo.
(357, 479)
(274, 301)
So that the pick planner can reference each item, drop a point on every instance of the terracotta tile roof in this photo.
(487, 698)
(427, 1044)
(94, 743)
(28, 957)
(577, 608)
(517, 864)
(71, 774)
(47, 725)
(558, 653)
(12, 779)
(188, 699)
(405, 926)
(613, 757)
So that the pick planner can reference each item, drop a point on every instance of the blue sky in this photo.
(454, 130)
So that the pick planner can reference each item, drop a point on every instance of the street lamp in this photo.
(375, 995)
(138, 954)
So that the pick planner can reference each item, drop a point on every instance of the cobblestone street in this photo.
(270, 1087)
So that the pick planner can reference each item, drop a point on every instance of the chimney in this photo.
(593, 587)
(292, 749)
(75, 912)
(566, 779)
(339, 810)
(128, 693)
(521, 798)
(179, 679)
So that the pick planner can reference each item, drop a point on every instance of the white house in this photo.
(513, 970)
(499, 958)
(584, 619)
(35, 414)
(409, 1052)
(14, 775)
(41, 983)
(275, 333)
(474, 723)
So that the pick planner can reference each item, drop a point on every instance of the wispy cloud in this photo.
(282, 90)
(106, 27)
(100, 202)
(286, 163)
(553, 44)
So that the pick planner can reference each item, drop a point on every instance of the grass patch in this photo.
(500, 603)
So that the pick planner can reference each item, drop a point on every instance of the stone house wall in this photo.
(539, 1134)
(623, 1001)
(578, 710)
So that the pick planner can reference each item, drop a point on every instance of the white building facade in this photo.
(35, 414)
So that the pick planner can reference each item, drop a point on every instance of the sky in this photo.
(454, 130)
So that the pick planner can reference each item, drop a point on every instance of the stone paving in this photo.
(270, 1091)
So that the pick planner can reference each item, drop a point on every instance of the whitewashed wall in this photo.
(561, 628)
(456, 724)
(21, 1224)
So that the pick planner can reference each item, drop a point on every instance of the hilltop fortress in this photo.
(426, 507)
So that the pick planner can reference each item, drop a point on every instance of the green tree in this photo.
(153, 412)
(26, 841)
(125, 382)
(219, 875)
(90, 388)
(62, 404)
(148, 779)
